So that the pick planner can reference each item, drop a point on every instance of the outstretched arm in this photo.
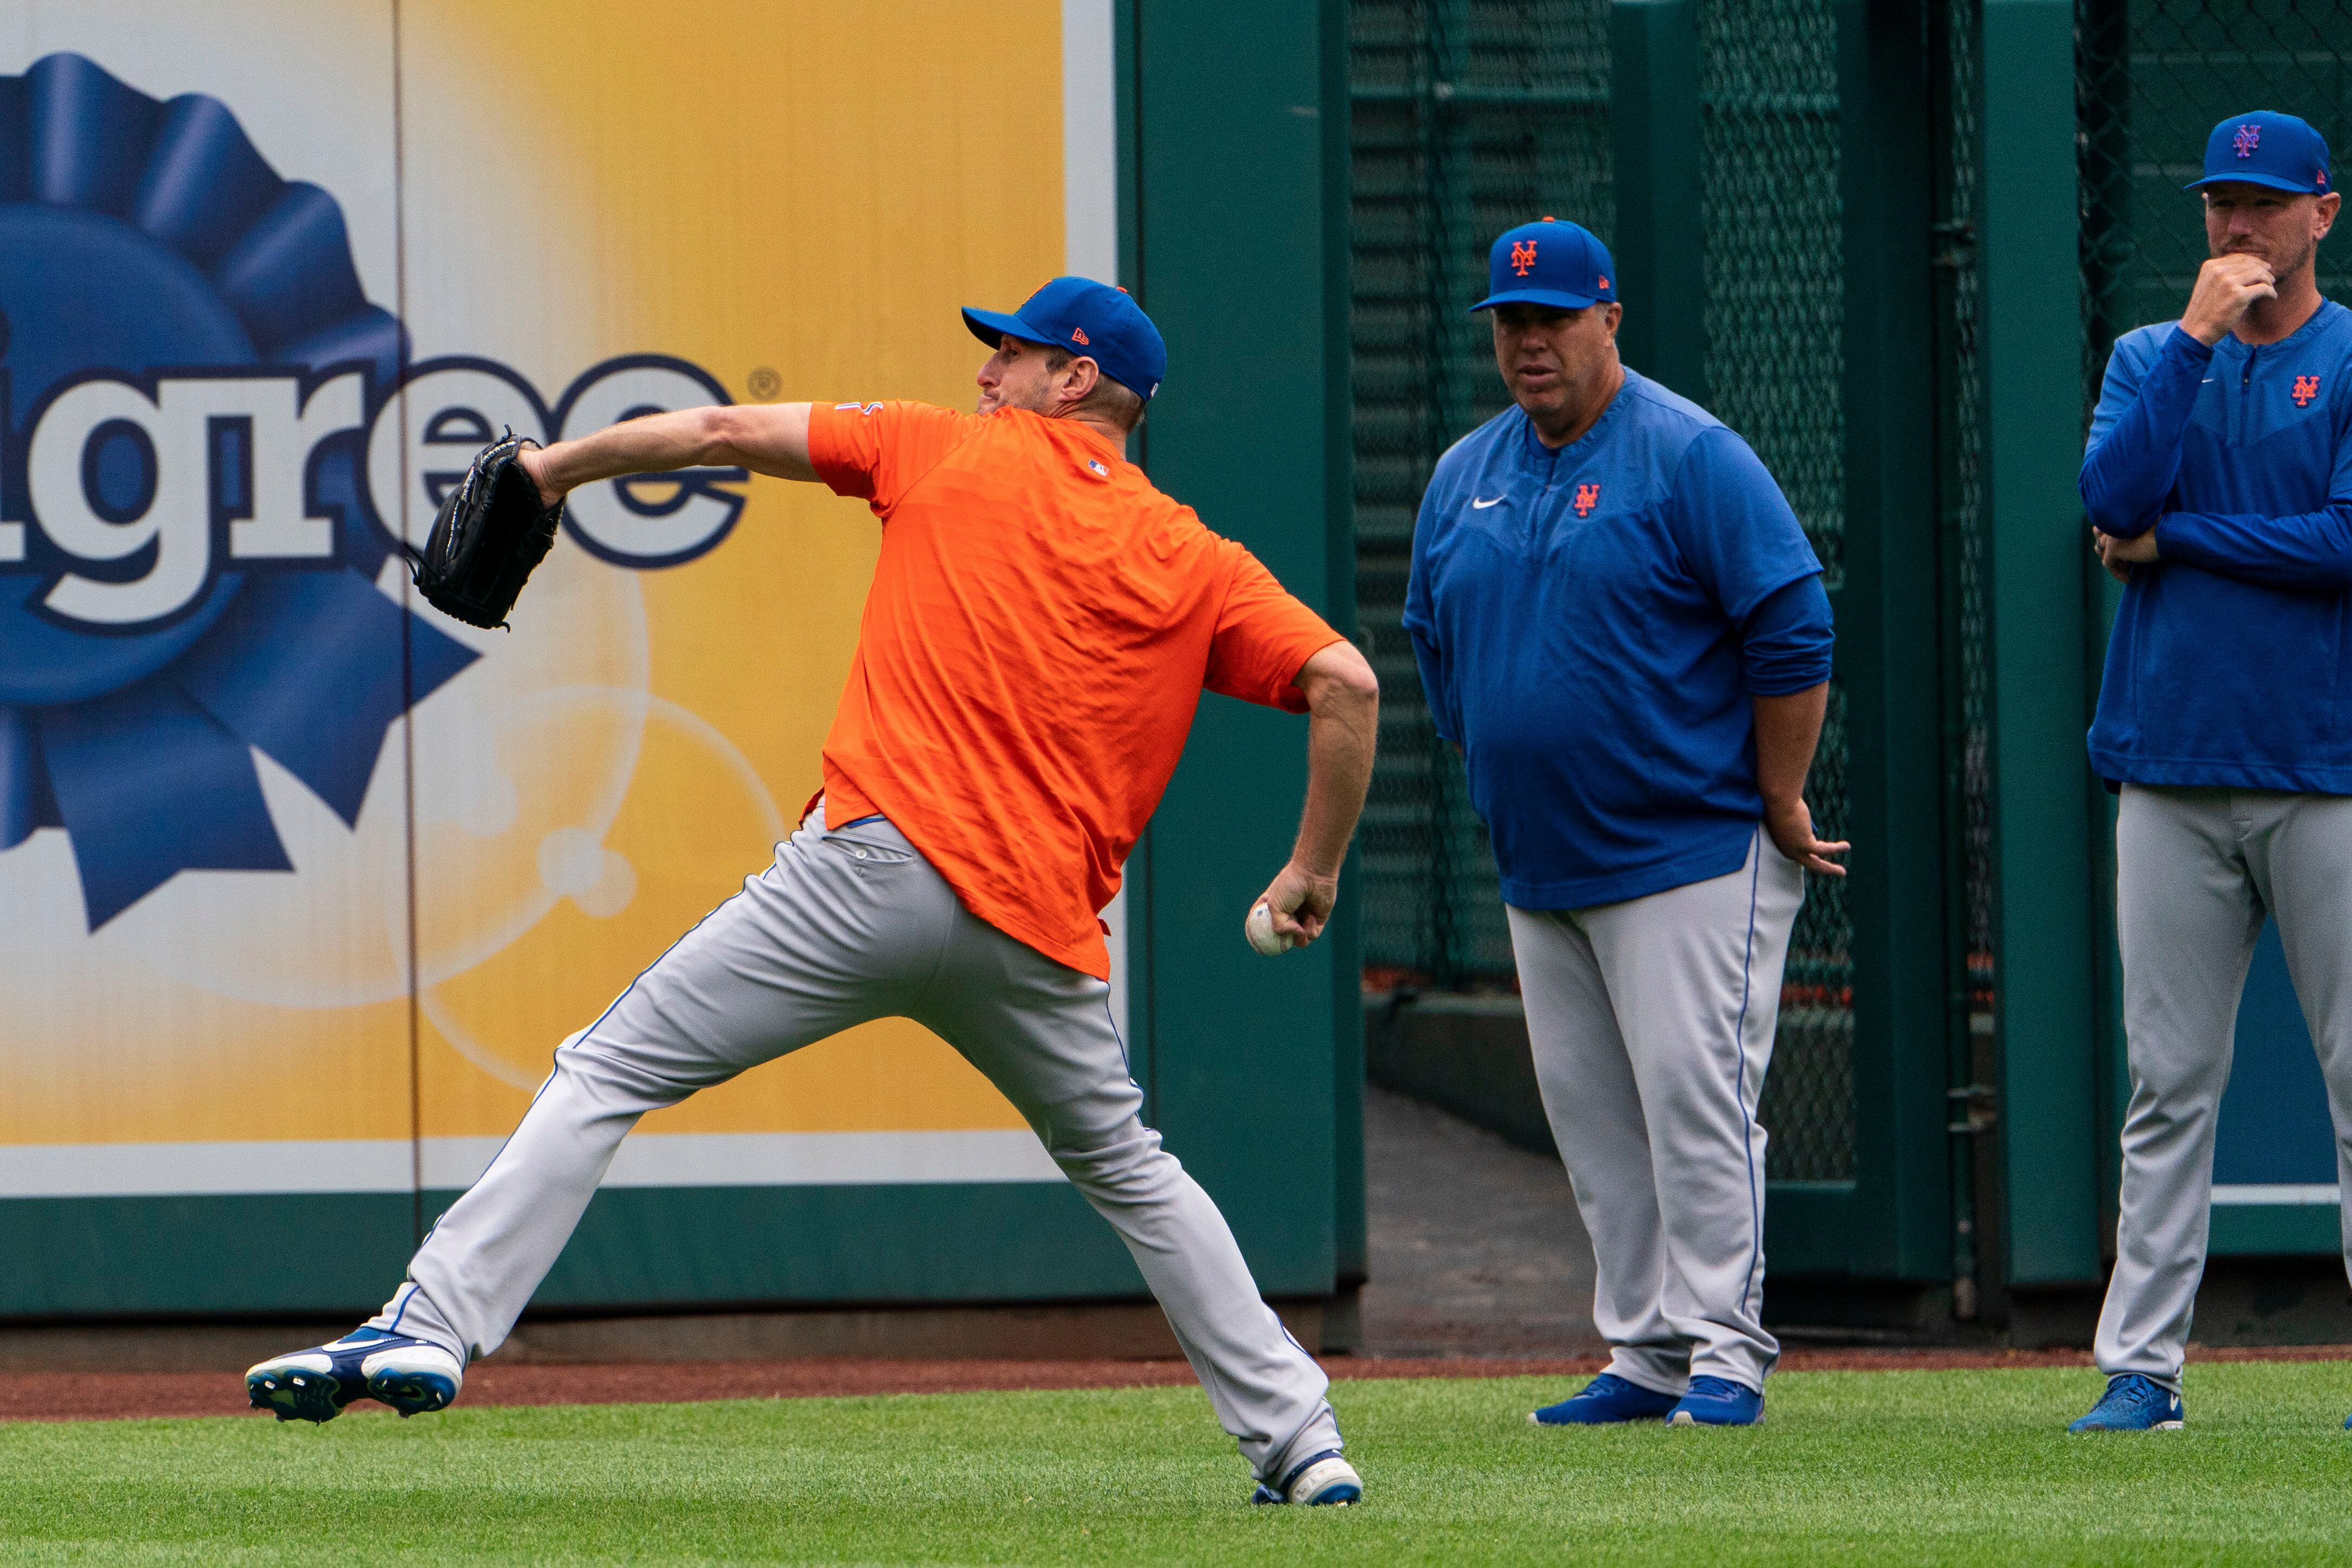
(1343, 721)
(765, 437)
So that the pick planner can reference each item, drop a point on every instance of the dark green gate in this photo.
(1756, 221)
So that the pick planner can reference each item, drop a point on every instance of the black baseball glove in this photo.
(490, 532)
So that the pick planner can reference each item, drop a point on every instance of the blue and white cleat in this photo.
(2132, 1404)
(1323, 1479)
(1606, 1400)
(1718, 1401)
(411, 1375)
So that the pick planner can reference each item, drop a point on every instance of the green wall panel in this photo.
(994, 1241)
(1239, 132)
(269, 1252)
(342, 1253)
(2043, 817)
(2273, 1230)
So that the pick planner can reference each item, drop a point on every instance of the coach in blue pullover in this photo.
(1621, 624)
(2218, 484)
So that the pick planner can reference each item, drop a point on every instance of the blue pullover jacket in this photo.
(2230, 663)
(1592, 624)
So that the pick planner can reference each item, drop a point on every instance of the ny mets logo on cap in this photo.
(1586, 498)
(2249, 138)
(1523, 257)
(2306, 387)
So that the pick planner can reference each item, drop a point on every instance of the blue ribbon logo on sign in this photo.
(209, 439)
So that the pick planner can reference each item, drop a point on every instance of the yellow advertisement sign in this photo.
(301, 881)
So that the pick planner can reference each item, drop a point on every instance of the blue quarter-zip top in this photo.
(2231, 662)
(1591, 624)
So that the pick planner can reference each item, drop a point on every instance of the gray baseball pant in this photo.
(2196, 871)
(1652, 1024)
(847, 926)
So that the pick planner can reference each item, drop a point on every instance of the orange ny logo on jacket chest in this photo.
(1586, 498)
(2306, 387)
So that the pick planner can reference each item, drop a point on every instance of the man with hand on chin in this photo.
(1621, 624)
(2218, 484)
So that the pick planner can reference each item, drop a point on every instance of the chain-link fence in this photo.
(1965, 532)
(2152, 79)
(1775, 369)
(1469, 117)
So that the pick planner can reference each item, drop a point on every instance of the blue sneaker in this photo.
(411, 1375)
(1318, 1481)
(1604, 1401)
(2132, 1404)
(1718, 1401)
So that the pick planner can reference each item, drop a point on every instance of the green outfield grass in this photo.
(1912, 1467)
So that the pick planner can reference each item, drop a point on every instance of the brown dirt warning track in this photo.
(87, 1395)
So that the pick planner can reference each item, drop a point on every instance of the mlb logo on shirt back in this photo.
(1095, 467)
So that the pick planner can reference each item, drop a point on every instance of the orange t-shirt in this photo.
(1040, 627)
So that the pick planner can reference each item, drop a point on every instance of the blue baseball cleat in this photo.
(2132, 1404)
(1718, 1401)
(1606, 1400)
(1323, 1479)
(411, 1375)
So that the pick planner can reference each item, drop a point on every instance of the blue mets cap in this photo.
(1549, 263)
(2266, 148)
(1091, 320)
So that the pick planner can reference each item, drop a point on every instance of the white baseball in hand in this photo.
(1262, 935)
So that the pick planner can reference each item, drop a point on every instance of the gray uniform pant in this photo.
(846, 927)
(1651, 1024)
(2197, 870)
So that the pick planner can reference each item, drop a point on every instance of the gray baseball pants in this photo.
(2196, 871)
(1652, 1024)
(847, 926)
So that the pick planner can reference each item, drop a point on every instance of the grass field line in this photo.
(1918, 1468)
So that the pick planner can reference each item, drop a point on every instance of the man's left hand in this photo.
(1791, 825)
(2119, 555)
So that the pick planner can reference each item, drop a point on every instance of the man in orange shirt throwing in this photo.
(1041, 624)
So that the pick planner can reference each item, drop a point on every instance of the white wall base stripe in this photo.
(394, 1166)
(2313, 1194)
